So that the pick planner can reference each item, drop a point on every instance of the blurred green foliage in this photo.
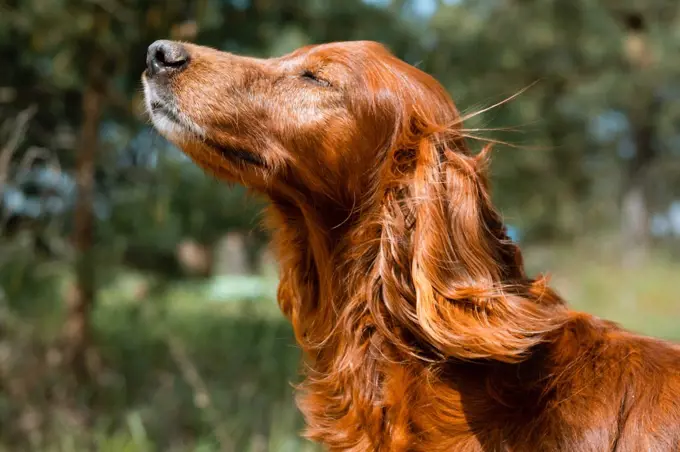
(594, 150)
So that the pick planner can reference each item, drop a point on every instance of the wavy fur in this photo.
(419, 327)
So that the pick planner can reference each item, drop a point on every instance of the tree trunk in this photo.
(80, 300)
(561, 199)
(634, 224)
(643, 116)
(635, 215)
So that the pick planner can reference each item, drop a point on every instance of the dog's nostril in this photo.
(166, 57)
(160, 56)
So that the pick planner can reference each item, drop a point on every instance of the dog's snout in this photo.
(165, 57)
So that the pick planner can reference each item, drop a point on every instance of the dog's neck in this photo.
(329, 257)
(335, 297)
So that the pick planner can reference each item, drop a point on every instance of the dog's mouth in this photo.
(162, 113)
(158, 108)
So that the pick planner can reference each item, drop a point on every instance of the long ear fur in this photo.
(448, 272)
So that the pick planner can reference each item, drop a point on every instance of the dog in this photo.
(419, 327)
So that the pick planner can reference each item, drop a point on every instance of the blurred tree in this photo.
(77, 51)
(81, 298)
(595, 63)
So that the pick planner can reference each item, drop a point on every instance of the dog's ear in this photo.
(449, 273)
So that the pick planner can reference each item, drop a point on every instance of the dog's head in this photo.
(321, 119)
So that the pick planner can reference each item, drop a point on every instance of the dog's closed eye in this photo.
(314, 78)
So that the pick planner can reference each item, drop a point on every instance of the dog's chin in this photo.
(170, 129)
(179, 129)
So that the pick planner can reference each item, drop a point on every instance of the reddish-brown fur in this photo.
(420, 329)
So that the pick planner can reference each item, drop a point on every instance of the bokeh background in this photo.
(137, 308)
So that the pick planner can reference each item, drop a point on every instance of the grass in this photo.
(184, 370)
(181, 372)
(644, 299)
(219, 372)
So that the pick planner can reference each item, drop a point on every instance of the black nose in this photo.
(165, 57)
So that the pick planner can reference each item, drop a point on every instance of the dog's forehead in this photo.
(345, 53)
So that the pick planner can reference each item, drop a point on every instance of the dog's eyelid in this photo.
(312, 76)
